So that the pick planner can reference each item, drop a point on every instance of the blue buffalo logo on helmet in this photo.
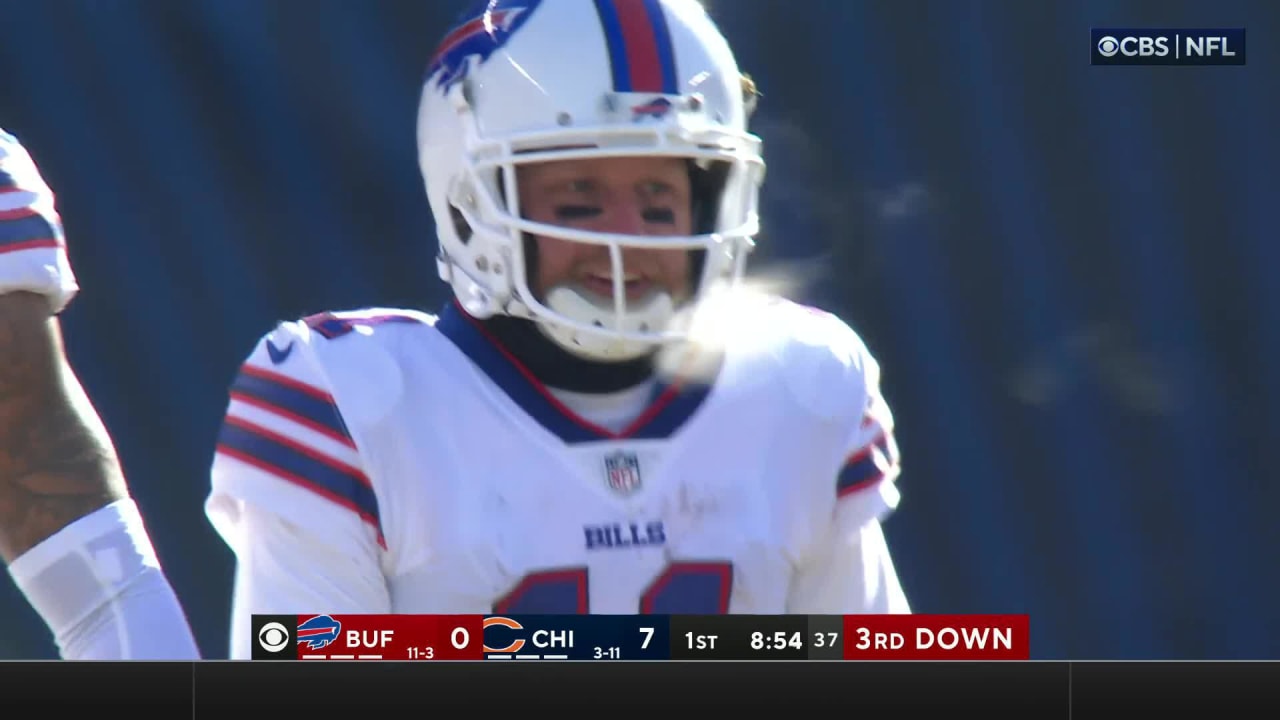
(654, 109)
(481, 31)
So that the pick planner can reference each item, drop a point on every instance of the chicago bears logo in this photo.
(481, 31)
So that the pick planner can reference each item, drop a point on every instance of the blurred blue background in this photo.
(1065, 270)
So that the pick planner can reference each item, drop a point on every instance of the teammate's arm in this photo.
(70, 534)
(290, 495)
(56, 462)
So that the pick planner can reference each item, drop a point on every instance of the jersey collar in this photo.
(672, 404)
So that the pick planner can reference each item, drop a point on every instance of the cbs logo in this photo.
(1108, 46)
(273, 637)
(1130, 46)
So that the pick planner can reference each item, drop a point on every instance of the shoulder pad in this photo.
(334, 325)
(824, 361)
(353, 355)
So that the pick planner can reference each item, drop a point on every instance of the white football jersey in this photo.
(33, 253)
(390, 461)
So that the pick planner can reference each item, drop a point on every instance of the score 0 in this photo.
(460, 638)
(459, 644)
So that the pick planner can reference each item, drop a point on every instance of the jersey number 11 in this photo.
(683, 588)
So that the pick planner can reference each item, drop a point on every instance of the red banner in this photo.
(390, 637)
(937, 637)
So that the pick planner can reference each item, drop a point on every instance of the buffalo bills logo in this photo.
(481, 31)
(655, 109)
(318, 632)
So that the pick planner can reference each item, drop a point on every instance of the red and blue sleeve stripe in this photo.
(640, 49)
(867, 466)
(294, 462)
(289, 402)
(24, 228)
(292, 400)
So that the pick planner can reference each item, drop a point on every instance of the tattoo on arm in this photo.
(57, 463)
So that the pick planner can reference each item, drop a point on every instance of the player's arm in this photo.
(56, 462)
(290, 494)
(852, 574)
(850, 570)
(69, 533)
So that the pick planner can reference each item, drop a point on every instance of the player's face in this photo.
(629, 195)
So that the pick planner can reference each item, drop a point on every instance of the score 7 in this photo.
(648, 635)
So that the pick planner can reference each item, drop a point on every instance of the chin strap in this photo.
(651, 315)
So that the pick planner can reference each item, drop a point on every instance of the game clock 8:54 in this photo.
(780, 640)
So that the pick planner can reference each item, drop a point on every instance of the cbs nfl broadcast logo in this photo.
(1130, 46)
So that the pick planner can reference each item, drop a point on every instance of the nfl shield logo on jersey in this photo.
(622, 471)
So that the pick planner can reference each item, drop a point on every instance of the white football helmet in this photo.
(523, 81)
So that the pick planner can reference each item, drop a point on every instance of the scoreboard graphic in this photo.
(640, 637)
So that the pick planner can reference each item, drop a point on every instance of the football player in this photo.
(70, 533)
(602, 420)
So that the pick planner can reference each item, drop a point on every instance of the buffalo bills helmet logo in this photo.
(655, 109)
(480, 32)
